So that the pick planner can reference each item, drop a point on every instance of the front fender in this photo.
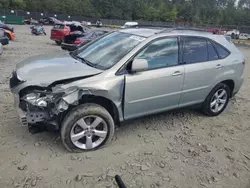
(111, 89)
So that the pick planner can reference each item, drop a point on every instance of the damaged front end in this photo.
(45, 109)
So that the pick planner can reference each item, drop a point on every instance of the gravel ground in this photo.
(176, 149)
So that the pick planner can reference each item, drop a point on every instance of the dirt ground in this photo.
(178, 149)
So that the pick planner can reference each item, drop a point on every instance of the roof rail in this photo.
(151, 26)
(170, 28)
(184, 29)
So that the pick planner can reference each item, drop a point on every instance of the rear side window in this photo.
(195, 50)
(212, 54)
(223, 53)
(58, 26)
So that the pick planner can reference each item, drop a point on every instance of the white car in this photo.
(233, 33)
(129, 24)
(244, 36)
(1, 49)
(86, 23)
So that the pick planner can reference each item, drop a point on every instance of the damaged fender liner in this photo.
(46, 107)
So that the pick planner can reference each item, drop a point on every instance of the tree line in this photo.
(230, 12)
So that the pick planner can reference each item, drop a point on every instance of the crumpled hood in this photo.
(53, 67)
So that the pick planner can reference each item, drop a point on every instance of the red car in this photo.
(58, 32)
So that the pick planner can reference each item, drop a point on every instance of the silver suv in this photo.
(123, 75)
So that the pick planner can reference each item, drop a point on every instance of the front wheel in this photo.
(86, 128)
(8, 36)
(58, 42)
(217, 100)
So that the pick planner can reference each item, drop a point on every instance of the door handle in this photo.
(177, 73)
(219, 66)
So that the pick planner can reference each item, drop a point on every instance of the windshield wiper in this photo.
(86, 61)
(82, 59)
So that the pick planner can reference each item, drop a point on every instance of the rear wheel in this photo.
(86, 128)
(233, 36)
(217, 100)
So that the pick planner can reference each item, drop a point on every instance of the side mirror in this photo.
(139, 65)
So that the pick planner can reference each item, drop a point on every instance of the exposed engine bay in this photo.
(42, 106)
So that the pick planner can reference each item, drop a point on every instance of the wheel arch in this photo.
(108, 104)
(230, 83)
(7, 34)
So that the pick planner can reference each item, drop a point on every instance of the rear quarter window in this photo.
(222, 51)
(212, 54)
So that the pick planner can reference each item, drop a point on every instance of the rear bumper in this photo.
(69, 47)
(4, 41)
(57, 38)
(237, 86)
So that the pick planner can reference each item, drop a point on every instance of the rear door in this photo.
(202, 66)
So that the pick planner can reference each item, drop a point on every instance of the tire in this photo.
(233, 36)
(207, 109)
(7, 35)
(75, 115)
(58, 42)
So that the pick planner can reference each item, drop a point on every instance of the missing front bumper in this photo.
(26, 118)
(22, 117)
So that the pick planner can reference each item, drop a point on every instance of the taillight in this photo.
(78, 41)
(66, 30)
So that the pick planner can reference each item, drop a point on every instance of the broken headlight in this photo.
(38, 99)
(69, 96)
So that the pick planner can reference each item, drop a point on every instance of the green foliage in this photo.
(192, 11)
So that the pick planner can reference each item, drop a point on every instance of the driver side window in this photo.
(161, 53)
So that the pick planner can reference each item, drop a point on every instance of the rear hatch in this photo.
(74, 37)
(59, 31)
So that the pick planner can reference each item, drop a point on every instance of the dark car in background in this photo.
(49, 21)
(30, 21)
(76, 40)
(6, 27)
(3, 39)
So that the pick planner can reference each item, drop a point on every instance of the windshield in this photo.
(108, 50)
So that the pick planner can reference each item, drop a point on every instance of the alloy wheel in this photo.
(89, 132)
(219, 100)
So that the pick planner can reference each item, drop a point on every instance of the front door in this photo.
(158, 88)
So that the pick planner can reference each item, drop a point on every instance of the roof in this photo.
(148, 32)
(144, 32)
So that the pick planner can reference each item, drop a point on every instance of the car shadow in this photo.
(170, 119)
